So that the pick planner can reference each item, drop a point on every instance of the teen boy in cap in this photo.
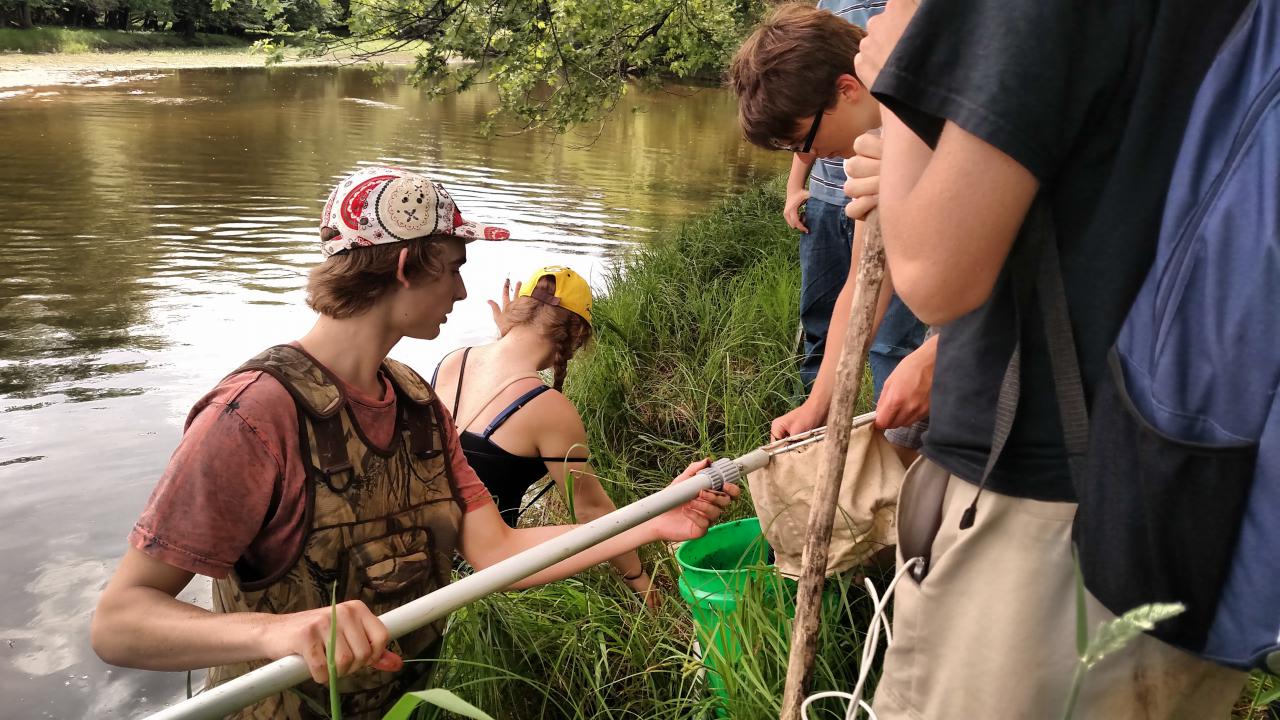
(797, 91)
(322, 463)
(1065, 112)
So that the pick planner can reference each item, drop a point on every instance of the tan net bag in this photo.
(864, 522)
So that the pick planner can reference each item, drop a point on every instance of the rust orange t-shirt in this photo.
(234, 492)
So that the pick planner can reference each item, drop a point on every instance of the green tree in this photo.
(556, 63)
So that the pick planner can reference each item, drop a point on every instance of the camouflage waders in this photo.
(382, 524)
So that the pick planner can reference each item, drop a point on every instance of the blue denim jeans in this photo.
(824, 265)
(825, 253)
(899, 335)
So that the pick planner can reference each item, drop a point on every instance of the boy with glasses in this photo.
(798, 92)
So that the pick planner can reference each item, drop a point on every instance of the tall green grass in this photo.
(694, 355)
(78, 40)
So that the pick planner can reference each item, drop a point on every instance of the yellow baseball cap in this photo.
(572, 292)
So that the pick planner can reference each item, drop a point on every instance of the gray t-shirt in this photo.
(826, 182)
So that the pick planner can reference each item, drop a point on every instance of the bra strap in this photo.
(480, 408)
(511, 409)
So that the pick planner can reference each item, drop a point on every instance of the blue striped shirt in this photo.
(826, 182)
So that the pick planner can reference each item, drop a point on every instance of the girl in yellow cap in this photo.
(515, 429)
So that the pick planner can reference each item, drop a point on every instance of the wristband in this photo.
(637, 576)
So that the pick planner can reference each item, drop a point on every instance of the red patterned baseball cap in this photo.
(379, 204)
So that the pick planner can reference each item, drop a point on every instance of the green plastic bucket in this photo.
(714, 569)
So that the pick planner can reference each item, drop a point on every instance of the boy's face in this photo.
(424, 306)
(854, 113)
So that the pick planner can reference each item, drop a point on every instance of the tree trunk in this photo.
(24, 15)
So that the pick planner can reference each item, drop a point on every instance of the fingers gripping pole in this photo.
(287, 672)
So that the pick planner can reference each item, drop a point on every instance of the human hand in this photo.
(791, 210)
(643, 586)
(508, 297)
(361, 640)
(802, 419)
(862, 173)
(692, 519)
(883, 32)
(904, 399)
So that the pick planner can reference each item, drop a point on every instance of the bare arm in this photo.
(485, 539)
(564, 436)
(140, 623)
(949, 217)
(798, 189)
(812, 412)
(905, 396)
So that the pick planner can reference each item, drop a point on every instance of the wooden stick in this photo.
(813, 568)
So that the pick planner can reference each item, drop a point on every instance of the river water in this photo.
(157, 232)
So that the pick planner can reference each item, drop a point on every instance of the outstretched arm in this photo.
(486, 539)
(563, 435)
(140, 623)
(812, 412)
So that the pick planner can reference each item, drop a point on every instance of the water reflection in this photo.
(159, 230)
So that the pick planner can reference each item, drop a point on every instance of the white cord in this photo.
(878, 622)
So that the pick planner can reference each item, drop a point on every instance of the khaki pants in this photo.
(991, 633)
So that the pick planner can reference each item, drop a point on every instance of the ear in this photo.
(850, 89)
(400, 278)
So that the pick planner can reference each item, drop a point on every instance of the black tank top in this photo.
(507, 476)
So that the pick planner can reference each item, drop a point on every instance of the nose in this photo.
(460, 290)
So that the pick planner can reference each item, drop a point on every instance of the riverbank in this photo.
(79, 66)
(82, 40)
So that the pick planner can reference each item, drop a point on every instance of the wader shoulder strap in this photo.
(418, 409)
(319, 403)
(408, 382)
(313, 390)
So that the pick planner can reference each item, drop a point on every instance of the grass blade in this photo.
(439, 697)
(335, 700)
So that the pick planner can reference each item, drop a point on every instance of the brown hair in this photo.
(350, 282)
(788, 69)
(566, 329)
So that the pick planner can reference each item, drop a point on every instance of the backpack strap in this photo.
(408, 383)
(1035, 271)
(1065, 364)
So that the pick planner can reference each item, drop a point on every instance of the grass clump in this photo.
(80, 40)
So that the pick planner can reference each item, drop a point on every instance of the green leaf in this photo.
(1117, 633)
(335, 700)
(1268, 697)
(439, 697)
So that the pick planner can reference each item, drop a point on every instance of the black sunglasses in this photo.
(808, 138)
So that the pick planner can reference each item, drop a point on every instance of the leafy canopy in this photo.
(555, 63)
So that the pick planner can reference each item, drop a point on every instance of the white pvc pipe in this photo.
(287, 672)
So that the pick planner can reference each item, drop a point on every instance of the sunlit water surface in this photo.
(158, 229)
